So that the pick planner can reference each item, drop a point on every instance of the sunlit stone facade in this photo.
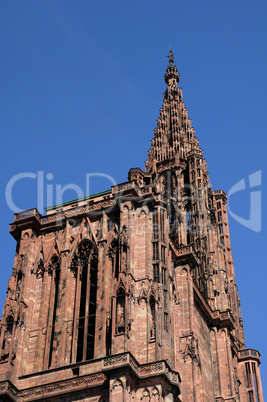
(130, 294)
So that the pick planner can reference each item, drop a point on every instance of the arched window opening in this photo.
(92, 311)
(80, 344)
(55, 278)
(18, 286)
(188, 227)
(85, 310)
(120, 312)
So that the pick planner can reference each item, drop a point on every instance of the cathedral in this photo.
(130, 294)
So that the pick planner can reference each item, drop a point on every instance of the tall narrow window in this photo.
(85, 309)
(155, 251)
(55, 278)
(166, 328)
(164, 276)
(80, 344)
(152, 319)
(162, 232)
(248, 378)
(92, 310)
(173, 227)
(18, 286)
(155, 225)
(255, 382)
(108, 333)
(188, 227)
(156, 277)
(163, 258)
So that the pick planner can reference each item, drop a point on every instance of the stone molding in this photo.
(103, 368)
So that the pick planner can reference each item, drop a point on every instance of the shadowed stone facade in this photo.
(130, 294)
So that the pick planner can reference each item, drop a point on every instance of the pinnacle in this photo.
(172, 76)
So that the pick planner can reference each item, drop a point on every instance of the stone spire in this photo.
(174, 136)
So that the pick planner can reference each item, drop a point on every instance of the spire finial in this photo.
(171, 76)
(171, 57)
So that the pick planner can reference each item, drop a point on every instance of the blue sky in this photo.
(80, 89)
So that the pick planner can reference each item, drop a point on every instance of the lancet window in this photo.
(85, 263)
(54, 300)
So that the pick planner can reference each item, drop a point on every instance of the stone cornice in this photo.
(99, 373)
(216, 318)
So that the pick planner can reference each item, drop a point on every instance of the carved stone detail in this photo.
(190, 348)
(117, 383)
(64, 385)
(110, 361)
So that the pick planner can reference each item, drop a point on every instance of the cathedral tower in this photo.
(130, 294)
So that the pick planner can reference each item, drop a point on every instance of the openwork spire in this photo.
(172, 76)
(174, 136)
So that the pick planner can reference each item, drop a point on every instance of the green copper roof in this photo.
(87, 197)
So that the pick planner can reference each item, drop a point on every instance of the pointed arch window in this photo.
(85, 262)
(54, 301)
